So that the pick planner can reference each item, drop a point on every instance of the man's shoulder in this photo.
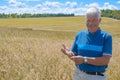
(105, 33)
(82, 32)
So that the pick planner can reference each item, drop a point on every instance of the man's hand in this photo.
(77, 59)
(66, 51)
(71, 55)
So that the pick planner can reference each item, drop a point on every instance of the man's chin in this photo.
(91, 30)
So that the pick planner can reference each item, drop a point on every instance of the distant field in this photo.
(59, 24)
(30, 47)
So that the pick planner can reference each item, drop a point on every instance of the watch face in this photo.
(85, 59)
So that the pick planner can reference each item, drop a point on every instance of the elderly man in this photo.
(91, 50)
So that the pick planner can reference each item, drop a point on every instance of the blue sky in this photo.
(78, 7)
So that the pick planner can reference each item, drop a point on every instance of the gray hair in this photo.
(94, 11)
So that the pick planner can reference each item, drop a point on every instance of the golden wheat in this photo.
(34, 54)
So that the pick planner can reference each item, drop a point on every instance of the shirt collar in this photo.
(94, 32)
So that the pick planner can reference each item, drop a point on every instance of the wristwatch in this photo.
(85, 59)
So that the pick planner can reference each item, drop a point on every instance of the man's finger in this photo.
(63, 50)
(74, 57)
(64, 46)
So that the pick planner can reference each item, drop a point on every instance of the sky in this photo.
(78, 7)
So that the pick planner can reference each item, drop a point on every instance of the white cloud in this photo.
(12, 1)
(52, 4)
(46, 7)
(107, 5)
(92, 5)
(32, 0)
(80, 11)
(118, 2)
(3, 7)
(15, 3)
(51, 7)
(38, 6)
(71, 4)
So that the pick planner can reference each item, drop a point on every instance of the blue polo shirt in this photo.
(92, 45)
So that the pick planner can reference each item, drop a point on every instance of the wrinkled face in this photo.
(92, 23)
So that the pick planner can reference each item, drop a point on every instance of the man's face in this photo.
(92, 23)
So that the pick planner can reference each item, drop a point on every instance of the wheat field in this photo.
(30, 47)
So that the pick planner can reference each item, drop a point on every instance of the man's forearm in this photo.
(104, 60)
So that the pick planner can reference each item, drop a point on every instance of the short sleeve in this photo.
(107, 47)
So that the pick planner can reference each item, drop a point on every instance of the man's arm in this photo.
(104, 60)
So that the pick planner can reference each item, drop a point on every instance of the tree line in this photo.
(105, 13)
(111, 14)
(27, 15)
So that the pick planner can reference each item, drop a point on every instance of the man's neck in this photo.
(95, 30)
